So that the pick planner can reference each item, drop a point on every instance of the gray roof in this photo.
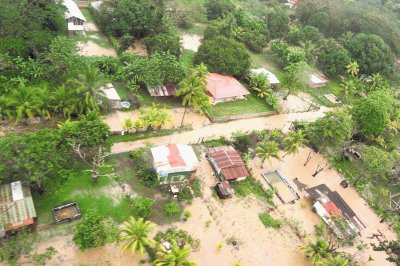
(72, 10)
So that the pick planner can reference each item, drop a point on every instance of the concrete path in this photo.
(214, 131)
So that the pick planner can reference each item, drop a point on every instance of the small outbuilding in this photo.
(163, 90)
(174, 163)
(272, 79)
(317, 80)
(16, 207)
(222, 88)
(227, 163)
(74, 18)
(111, 94)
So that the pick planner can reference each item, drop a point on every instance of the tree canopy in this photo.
(231, 58)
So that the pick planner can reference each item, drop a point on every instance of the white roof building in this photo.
(272, 79)
(317, 80)
(174, 158)
(110, 92)
(73, 16)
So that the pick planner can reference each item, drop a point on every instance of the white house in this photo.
(317, 80)
(272, 79)
(74, 17)
(111, 94)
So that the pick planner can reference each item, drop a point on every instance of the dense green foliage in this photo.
(269, 221)
(181, 238)
(171, 208)
(27, 27)
(142, 207)
(229, 59)
(94, 231)
(164, 43)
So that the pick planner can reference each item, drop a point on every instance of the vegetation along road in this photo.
(223, 129)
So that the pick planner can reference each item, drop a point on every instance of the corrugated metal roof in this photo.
(229, 162)
(110, 92)
(174, 158)
(220, 86)
(163, 90)
(72, 10)
(18, 212)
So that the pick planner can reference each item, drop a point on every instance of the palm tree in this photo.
(153, 117)
(377, 81)
(348, 88)
(201, 73)
(127, 124)
(163, 119)
(175, 257)
(293, 142)
(23, 102)
(259, 84)
(316, 251)
(135, 234)
(193, 91)
(88, 86)
(353, 69)
(266, 150)
(63, 101)
(335, 261)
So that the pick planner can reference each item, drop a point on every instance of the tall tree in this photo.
(316, 251)
(176, 257)
(135, 235)
(266, 150)
(192, 89)
(88, 87)
(293, 142)
(296, 78)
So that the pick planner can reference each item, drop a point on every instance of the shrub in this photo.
(171, 208)
(94, 231)
(147, 176)
(268, 221)
(186, 215)
(240, 141)
(196, 187)
(164, 43)
(142, 207)
(185, 195)
(181, 237)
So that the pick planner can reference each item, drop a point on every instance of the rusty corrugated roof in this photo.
(15, 212)
(229, 162)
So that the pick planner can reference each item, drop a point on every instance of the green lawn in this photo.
(81, 189)
(253, 104)
(88, 16)
(145, 135)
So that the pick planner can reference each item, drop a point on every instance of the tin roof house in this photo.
(16, 207)
(227, 163)
(222, 88)
(174, 163)
(74, 18)
(112, 95)
(272, 79)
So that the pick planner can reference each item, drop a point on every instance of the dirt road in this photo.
(213, 131)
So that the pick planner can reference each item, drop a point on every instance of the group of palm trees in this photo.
(269, 146)
(353, 85)
(319, 253)
(79, 95)
(135, 234)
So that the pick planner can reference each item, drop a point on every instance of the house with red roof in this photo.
(227, 163)
(174, 163)
(222, 88)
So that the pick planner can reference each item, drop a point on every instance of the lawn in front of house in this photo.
(251, 105)
(81, 189)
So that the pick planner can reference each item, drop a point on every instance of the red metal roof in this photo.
(229, 162)
(220, 86)
(163, 90)
(174, 158)
(332, 209)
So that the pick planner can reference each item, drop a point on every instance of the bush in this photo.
(181, 237)
(268, 221)
(240, 141)
(142, 207)
(94, 231)
(164, 43)
(171, 208)
(185, 195)
(147, 176)
(196, 187)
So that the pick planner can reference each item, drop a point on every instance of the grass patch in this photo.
(86, 13)
(122, 90)
(251, 186)
(253, 104)
(196, 187)
(268, 221)
(214, 143)
(146, 135)
(186, 59)
(80, 188)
